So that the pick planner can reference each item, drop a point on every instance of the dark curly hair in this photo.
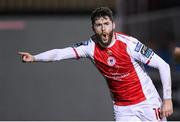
(101, 12)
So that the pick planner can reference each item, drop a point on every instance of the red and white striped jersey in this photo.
(121, 63)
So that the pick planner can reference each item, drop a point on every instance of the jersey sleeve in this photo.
(139, 51)
(84, 49)
(165, 74)
(55, 55)
(146, 55)
(79, 50)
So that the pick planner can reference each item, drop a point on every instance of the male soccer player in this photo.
(120, 59)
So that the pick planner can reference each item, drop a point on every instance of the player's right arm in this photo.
(50, 55)
(77, 51)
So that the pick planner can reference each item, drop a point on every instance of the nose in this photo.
(103, 28)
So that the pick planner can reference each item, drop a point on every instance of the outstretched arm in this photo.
(51, 55)
(80, 50)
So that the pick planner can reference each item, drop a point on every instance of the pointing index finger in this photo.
(22, 53)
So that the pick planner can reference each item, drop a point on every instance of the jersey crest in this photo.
(111, 61)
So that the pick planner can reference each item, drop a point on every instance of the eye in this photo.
(98, 25)
(107, 23)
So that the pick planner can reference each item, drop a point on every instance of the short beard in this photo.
(105, 45)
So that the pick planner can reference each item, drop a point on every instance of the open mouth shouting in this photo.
(104, 37)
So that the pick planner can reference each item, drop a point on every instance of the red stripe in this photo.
(77, 56)
(149, 59)
(148, 62)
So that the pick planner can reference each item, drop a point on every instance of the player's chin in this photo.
(104, 44)
(104, 40)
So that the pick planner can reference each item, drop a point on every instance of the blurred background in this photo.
(74, 89)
